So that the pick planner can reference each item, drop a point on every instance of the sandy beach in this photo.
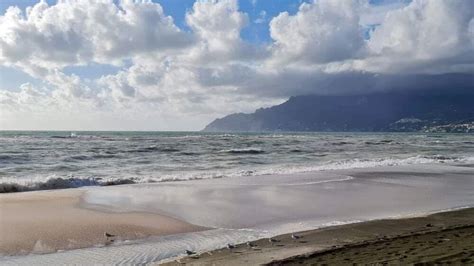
(157, 222)
(236, 132)
(48, 221)
(438, 238)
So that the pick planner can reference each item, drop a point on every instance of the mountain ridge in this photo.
(392, 112)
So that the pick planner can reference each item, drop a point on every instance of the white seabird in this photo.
(189, 252)
(250, 245)
(295, 237)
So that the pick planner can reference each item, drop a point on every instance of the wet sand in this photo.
(446, 246)
(446, 237)
(48, 221)
(240, 209)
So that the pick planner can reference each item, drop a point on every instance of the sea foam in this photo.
(8, 185)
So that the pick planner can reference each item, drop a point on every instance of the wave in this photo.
(380, 162)
(5, 157)
(340, 143)
(59, 137)
(8, 185)
(244, 151)
(380, 142)
(117, 153)
(107, 155)
(78, 157)
(154, 149)
(358, 163)
(22, 185)
(16, 158)
(296, 150)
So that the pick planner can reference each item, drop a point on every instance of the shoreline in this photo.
(42, 222)
(60, 183)
(156, 223)
(378, 241)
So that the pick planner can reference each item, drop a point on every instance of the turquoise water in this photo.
(31, 160)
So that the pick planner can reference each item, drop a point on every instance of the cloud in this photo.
(198, 78)
(373, 15)
(82, 31)
(182, 79)
(320, 32)
(217, 26)
(430, 35)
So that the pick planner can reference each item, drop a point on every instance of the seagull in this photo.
(189, 252)
(107, 235)
(250, 245)
(272, 240)
(230, 246)
(295, 237)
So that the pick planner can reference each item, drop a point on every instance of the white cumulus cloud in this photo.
(170, 78)
(320, 32)
(82, 31)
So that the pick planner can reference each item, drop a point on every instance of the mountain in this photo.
(367, 113)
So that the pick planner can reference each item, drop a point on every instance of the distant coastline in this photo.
(383, 112)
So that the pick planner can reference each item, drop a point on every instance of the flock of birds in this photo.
(251, 245)
(111, 238)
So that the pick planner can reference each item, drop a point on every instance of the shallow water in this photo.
(248, 208)
(48, 160)
(279, 204)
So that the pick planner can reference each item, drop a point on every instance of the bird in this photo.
(295, 237)
(107, 235)
(250, 245)
(272, 240)
(189, 252)
(230, 246)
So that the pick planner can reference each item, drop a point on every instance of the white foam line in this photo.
(427, 213)
(346, 178)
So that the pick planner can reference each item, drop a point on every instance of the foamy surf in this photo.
(51, 160)
(11, 184)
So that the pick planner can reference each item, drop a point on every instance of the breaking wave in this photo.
(20, 185)
(9, 185)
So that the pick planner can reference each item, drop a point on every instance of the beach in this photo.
(236, 132)
(52, 221)
(156, 223)
(446, 237)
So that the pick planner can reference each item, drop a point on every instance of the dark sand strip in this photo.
(446, 246)
(441, 238)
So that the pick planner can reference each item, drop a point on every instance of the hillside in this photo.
(365, 113)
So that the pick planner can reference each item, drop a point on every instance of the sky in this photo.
(179, 64)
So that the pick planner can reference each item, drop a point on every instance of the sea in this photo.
(41, 160)
(242, 186)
